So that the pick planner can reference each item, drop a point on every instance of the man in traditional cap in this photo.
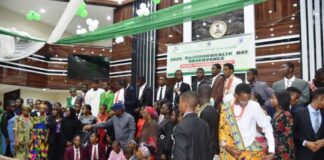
(123, 122)
(70, 101)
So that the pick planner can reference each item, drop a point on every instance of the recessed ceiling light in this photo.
(170, 35)
(271, 29)
(100, 54)
(103, 49)
(56, 55)
(197, 35)
(204, 24)
(272, 35)
(256, 37)
(108, 18)
(292, 18)
(110, 50)
(290, 32)
(92, 52)
(42, 10)
(270, 11)
(176, 1)
(82, 49)
(44, 89)
(120, 1)
(295, 5)
(291, 26)
(74, 51)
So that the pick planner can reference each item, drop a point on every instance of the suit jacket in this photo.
(184, 87)
(303, 130)
(191, 139)
(194, 85)
(101, 152)
(130, 100)
(299, 84)
(218, 90)
(211, 117)
(168, 94)
(69, 153)
(147, 97)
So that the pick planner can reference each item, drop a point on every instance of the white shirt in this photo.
(176, 86)
(159, 91)
(253, 115)
(119, 96)
(92, 152)
(73, 100)
(161, 118)
(93, 99)
(76, 151)
(236, 81)
(288, 82)
(140, 92)
(213, 80)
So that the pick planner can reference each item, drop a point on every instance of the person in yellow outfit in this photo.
(237, 128)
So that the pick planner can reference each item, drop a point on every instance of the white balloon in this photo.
(139, 12)
(143, 5)
(92, 28)
(95, 22)
(83, 30)
(78, 31)
(146, 12)
(89, 21)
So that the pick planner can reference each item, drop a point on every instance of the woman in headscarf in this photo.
(149, 130)
(70, 127)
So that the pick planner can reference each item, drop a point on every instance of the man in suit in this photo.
(145, 95)
(309, 129)
(258, 86)
(70, 101)
(163, 91)
(95, 151)
(209, 114)
(200, 74)
(217, 85)
(179, 88)
(131, 102)
(75, 152)
(191, 135)
(290, 80)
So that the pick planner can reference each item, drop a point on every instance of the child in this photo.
(95, 151)
(143, 153)
(22, 129)
(129, 153)
(116, 153)
(102, 117)
(76, 150)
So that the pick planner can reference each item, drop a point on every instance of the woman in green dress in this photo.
(22, 129)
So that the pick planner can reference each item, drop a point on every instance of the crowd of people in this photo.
(216, 118)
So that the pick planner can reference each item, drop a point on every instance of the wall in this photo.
(44, 95)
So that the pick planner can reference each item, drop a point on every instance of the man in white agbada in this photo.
(92, 97)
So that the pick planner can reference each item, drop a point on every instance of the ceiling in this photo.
(54, 9)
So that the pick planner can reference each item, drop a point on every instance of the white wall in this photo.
(44, 95)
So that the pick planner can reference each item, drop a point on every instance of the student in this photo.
(22, 129)
(143, 153)
(129, 153)
(70, 126)
(116, 153)
(86, 119)
(77, 108)
(7, 124)
(95, 151)
(75, 152)
(102, 117)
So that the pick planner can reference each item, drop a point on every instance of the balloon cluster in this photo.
(92, 26)
(143, 11)
(156, 1)
(33, 15)
(82, 11)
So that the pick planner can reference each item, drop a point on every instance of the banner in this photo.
(187, 57)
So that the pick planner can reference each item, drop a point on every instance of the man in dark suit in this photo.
(191, 135)
(179, 88)
(309, 129)
(217, 85)
(209, 114)
(131, 101)
(95, 151)
(163, 91)
(75, 152)
(145, 95)
(290, 80)
(200, 74)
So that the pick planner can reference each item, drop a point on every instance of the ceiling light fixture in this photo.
(292, 18)
(270, 11)
(42, 10)
(295, 5)
(204, 24)
(290, 32)
(291, 26)
(271, 29)
(108, 18)
(272, 35)
(176, 1)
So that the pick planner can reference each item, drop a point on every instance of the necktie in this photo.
(316, 123)
(161, 91)
(95, 153)
(77, 156)
(178, 85)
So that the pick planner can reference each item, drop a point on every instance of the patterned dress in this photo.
(39, 146)
(23, 128)
(283, 134)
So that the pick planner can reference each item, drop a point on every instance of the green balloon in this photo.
(156, 1)
(29, 16)
(83, 13)
(83, 6)
(37, 17)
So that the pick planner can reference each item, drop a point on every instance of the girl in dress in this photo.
(22, 129)
(86, 119)
(102, 117)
